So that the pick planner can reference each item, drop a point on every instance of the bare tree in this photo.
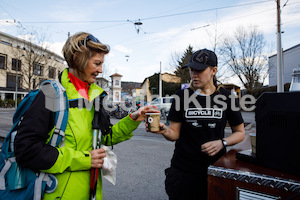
(243, 54)
(32, 60)
(106, 72)
(215, 39)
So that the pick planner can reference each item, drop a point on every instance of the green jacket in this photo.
(72, 168)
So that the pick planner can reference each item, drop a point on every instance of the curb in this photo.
(7, 109)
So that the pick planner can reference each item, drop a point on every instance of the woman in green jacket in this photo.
(71, 164)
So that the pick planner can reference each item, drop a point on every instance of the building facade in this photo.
(24, 65)
(116, 87)
(291, 60)
(166, 77)
(103, 83)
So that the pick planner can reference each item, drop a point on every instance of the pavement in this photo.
(141, 160)
(6, 115)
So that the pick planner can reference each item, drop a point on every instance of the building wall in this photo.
(291, 60)
(138, 94)
(116, 88)
(116, 82)
(17, 49)
(12, 47)
(102, 82)
(3, 52)
(146, 91)
(170, 78)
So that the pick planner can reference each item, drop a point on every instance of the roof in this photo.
(144, 81)
(169, 74)
(161, 74)
(116, 74)
(289, 49)
(130, 85)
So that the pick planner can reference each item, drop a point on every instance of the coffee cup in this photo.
(253, 142)
(153, 120)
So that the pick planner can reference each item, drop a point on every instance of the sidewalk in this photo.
(7, 109)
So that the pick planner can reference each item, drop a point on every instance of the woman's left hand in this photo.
(140, 114)
(212, 148)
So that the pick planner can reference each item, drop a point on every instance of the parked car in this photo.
(163, 103)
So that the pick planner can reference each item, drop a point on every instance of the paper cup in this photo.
(153, 120)
(253, 142)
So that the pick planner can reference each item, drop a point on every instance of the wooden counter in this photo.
(228, 176)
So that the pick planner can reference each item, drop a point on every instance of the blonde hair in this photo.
(78, 50)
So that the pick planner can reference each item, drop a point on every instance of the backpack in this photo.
(23, 183)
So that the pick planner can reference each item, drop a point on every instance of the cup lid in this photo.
(152, 113)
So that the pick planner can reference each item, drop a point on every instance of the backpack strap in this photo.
(56, 101)
(4, 170)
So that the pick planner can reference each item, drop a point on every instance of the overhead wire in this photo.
(158, 17)
(285, 3)
(207, 25)
(72, 22)
(7, 12)
(204, 10)
(186, 5)
(150, 18)
(234, 19)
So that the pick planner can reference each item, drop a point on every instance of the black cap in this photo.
(202, 59)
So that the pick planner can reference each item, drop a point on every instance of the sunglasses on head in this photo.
(93, 39)
(89, 38)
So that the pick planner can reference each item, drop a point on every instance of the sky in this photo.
(168, 27)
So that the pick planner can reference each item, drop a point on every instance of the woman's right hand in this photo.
(97, 156)
(170, 133)
(162, 128)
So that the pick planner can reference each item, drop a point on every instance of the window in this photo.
(117, 82)
(16, 63)
(11, 81)
(6, 43)
(2, 61)
(51, 72)
(37, 69)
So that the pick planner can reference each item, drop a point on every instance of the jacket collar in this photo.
(93, 92)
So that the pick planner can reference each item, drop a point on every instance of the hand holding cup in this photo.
(153, 121)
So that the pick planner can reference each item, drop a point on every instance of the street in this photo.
(141, 161)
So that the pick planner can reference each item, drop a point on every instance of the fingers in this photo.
(162, 128)
(211, 148)
(140, 114)
(97, 156)
(150, 109)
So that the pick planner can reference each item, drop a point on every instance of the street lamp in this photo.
(17, 69)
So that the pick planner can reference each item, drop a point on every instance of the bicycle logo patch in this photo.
(209, 113)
